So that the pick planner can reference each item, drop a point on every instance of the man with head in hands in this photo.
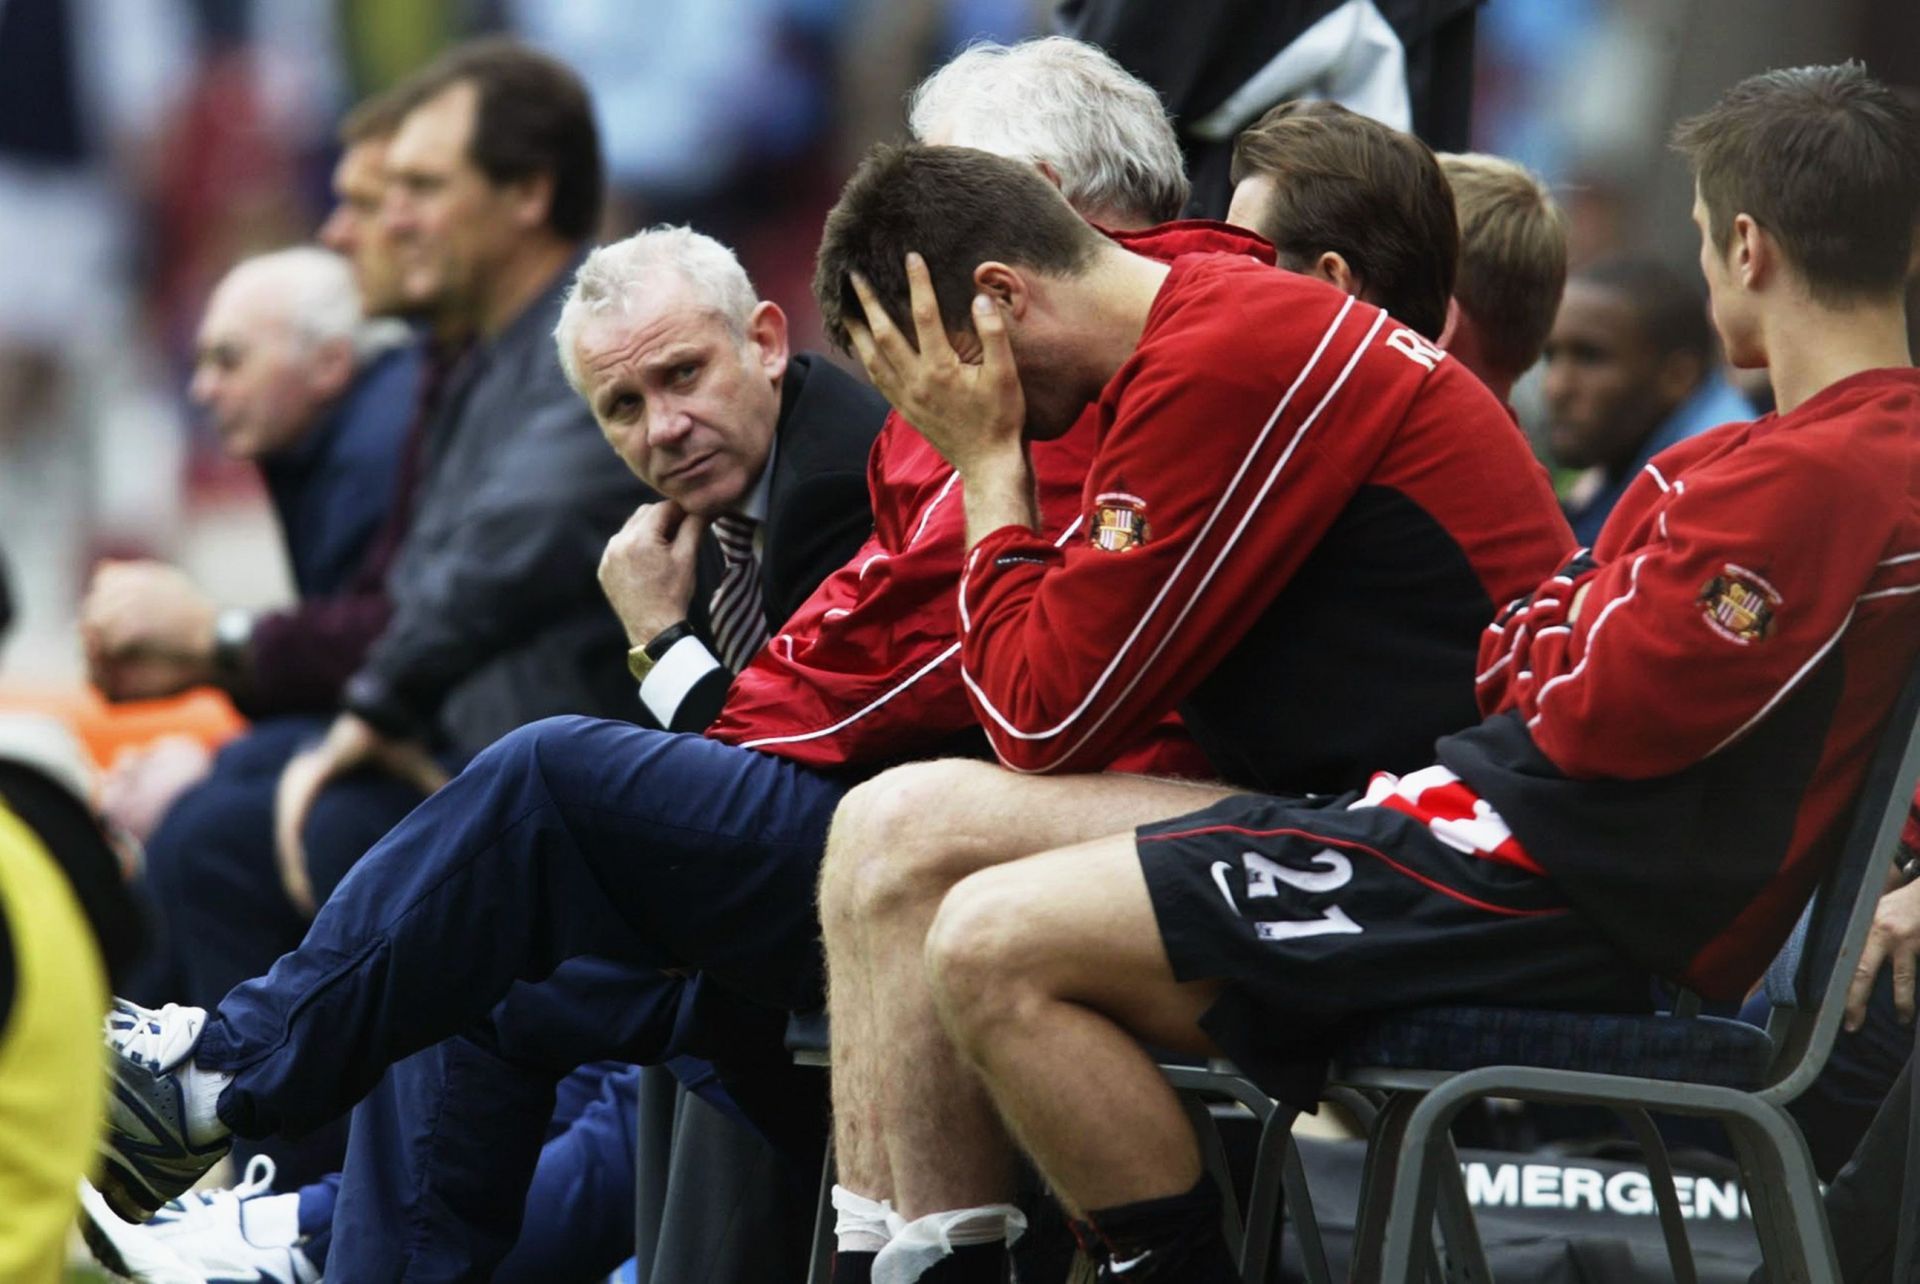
(1299, 515)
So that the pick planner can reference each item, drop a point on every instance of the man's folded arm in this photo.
(1668, 653)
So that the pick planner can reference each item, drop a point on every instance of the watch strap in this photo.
(641, 659)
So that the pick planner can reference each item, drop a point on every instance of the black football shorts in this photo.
(1318, 915)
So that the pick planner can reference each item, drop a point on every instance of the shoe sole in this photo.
(125, 1194)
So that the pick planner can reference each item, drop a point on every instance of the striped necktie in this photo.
(739, 616)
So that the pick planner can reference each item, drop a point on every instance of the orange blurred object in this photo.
(108, 730)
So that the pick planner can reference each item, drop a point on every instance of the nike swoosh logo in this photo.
(1121, 1268)
(1220, 868)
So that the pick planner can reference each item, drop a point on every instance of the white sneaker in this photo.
(162, 1133)
(232, 1236)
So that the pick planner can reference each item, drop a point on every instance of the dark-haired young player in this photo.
(1299, 516)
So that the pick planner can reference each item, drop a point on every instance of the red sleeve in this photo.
(1633, 521)
(1235, 437)
(1168, 749)
(867, 670)
(1755, 555)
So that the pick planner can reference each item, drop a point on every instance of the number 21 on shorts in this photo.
(1332, 871)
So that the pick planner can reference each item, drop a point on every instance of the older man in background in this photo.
(292, 659)
(158, 639)
(295, 378)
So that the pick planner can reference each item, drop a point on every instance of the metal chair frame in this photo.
(1411, 1171)
(1412, 1174)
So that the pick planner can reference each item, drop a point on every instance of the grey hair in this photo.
(1065, 104)
(314, 292)
(607, 281)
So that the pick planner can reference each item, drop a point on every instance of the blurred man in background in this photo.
(488, 613)
(353, 228)
(1512, 269)
(292, 659)
(295, 378)
(1632, 368)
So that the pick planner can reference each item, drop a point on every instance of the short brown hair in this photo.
(375, 118)
(1827, 160)
(533, 117)
(1513, 255)
(1369, 193)
(957, 208)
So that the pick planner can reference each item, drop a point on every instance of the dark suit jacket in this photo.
(818, 509)
(334, 488)
(498, 618)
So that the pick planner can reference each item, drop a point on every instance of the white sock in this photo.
(862, 1225)
(201, 1089)
(916, 1245)
(271, 1221)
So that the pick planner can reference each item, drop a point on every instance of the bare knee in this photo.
(897, 842)
(981, 956)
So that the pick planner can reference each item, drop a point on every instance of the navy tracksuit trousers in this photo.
(568, 838)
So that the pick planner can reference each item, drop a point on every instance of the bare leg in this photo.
(1048, 973)
(859, 1139)
(899, 843)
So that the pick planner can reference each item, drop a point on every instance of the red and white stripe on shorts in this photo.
(1453, 813)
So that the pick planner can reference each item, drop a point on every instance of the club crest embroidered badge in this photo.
(1119, 522)
(1739, 605)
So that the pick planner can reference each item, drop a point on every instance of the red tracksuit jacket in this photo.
(1299, 517)
(1681, 757)
(867, 671)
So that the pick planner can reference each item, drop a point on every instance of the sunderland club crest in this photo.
(1739, 605)
(1119, 522)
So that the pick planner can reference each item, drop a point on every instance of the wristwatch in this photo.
(1907, 861)
(641, 659)
(232, 633)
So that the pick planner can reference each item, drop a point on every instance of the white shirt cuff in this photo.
(673, 675)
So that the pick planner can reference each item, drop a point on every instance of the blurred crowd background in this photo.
(147, 144)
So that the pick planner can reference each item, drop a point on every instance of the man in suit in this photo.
(760, 456)
(774, 467)
(690, 377)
